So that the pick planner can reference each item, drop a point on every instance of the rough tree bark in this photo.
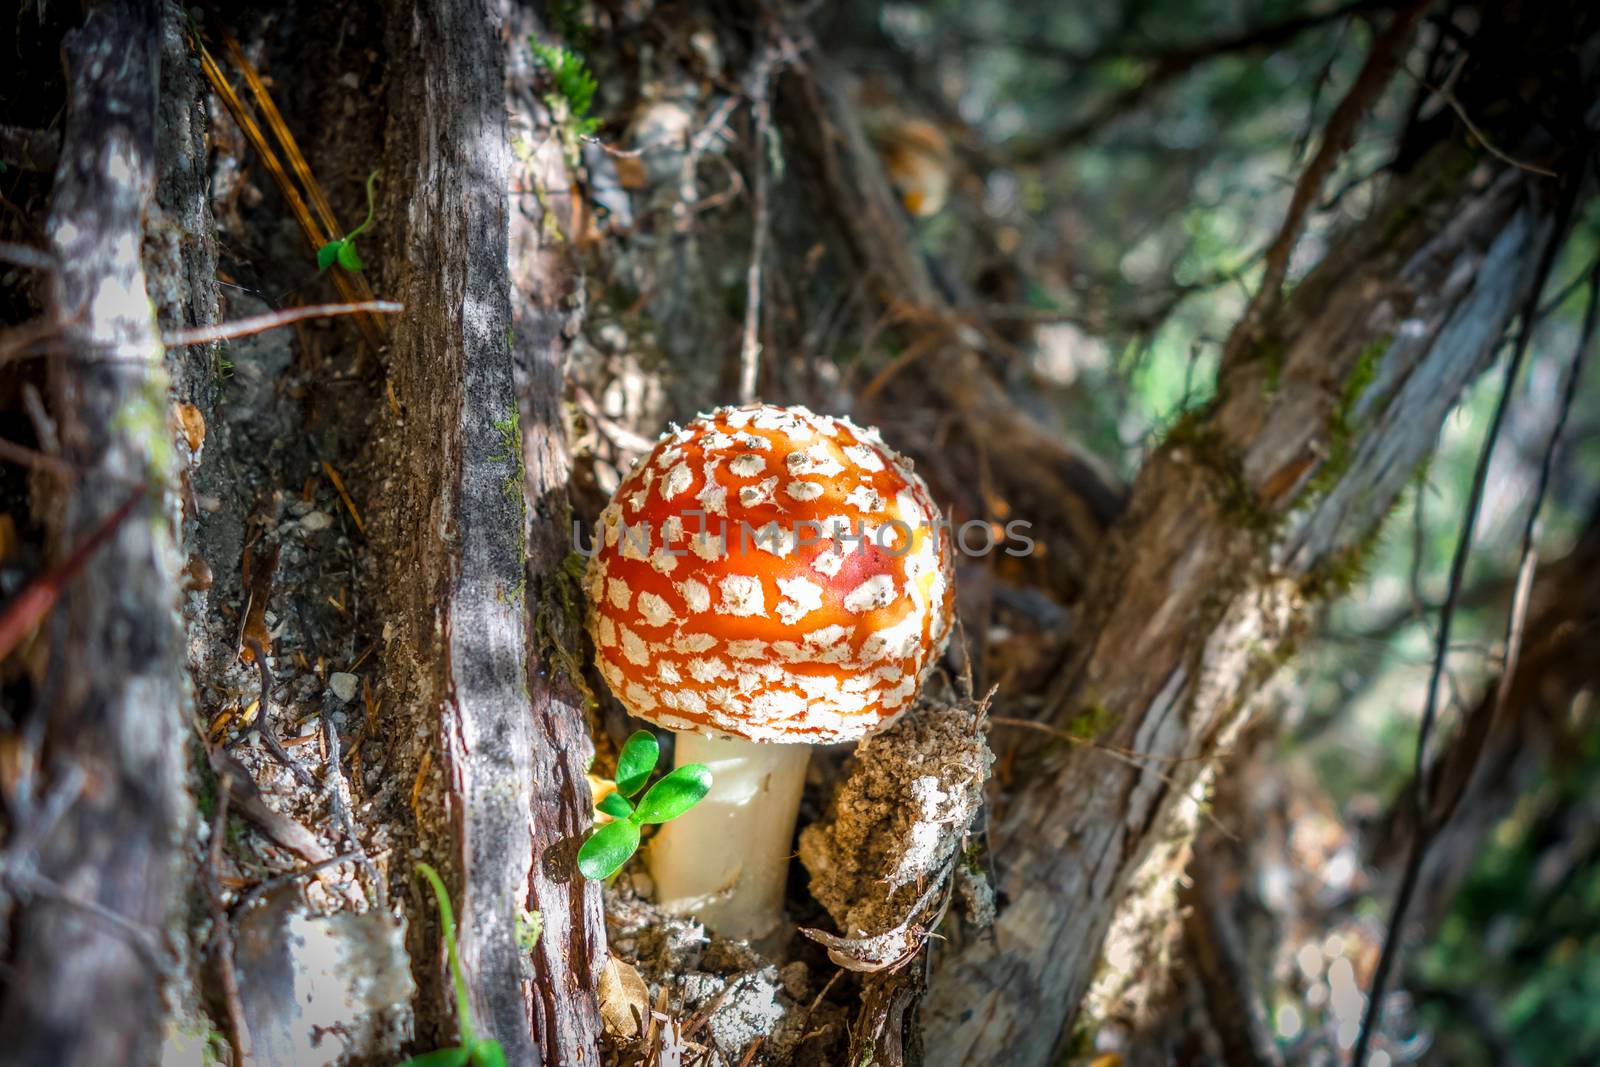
(546, 312)
(454, 567)
(97, 843)
(1263, 499)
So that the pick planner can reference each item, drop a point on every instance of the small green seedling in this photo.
(343, 251)
(473, 1051)
(609, 847)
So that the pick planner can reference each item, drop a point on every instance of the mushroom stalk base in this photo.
(726, 860)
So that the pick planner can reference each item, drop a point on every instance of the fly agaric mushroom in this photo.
(765, 580)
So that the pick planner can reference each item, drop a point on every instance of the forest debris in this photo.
(343, 686)
(320, 990)
(882, 952)
(258, 570)
(246, 801)
(896, 827)
(344, 494)
(722, 993)
(624, 999)
(193, 425)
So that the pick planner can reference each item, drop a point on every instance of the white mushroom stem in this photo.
(725, 861)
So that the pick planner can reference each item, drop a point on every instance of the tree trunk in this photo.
(95, 853)
(1267, 499)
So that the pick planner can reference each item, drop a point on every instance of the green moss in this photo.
(558, 615)
(1341, 431)
(204, 778)
(529, 924)
(1092, 720)
(1348, 567)
(1207, 448)
(510, 429)
(1271, 353)
(143, 417)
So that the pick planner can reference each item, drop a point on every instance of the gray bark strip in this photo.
(1187, 619)
(547, 312)
(457, 567)
(100, 887)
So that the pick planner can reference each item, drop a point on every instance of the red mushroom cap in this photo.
(770, 574)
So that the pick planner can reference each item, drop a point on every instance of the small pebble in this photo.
(343, 686)
(315, 521)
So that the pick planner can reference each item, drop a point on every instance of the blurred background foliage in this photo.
(1128, 162)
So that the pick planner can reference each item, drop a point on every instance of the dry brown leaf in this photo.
(193, 425)
(624, 999)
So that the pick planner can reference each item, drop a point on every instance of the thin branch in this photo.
(760, 82)
(1166, 65)
(223, 331)
(1428, 821)
(1444, 92)
(263, 712)
(1249, 39)
(222, 941)
(1388, 49)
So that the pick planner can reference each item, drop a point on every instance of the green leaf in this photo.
(328, 253)
(487, 1053)
(607, 849)
(638, 759)
(445, 1057)
(674, 794)
(616, 806)
(348, 258)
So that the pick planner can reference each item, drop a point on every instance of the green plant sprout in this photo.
(473, 1050)
(343, 250)
(573, 96)
(609, 847)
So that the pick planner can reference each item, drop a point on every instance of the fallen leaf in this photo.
(624, 999)
(194, 426)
